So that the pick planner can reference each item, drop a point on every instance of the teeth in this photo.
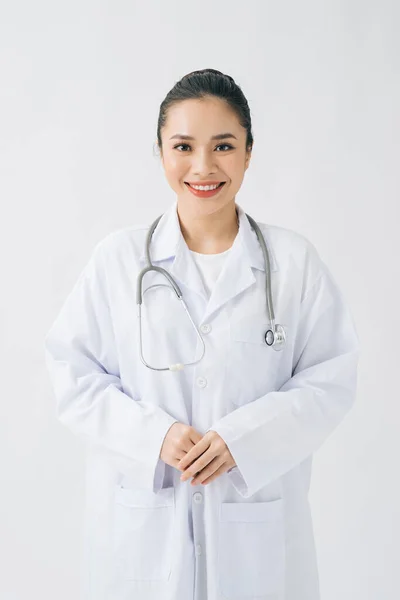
(204, 188)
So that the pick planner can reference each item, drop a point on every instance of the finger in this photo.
(179, 458)
(190, 441)
(192, 462)
(193, 454)
(208, 470)
(195, 436)
(199, 480)
(198, 465)
(186, 446)
(179, 455)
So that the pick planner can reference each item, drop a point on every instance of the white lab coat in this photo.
(248, 534)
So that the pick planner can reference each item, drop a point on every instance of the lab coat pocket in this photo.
(251, 554)
(253, 366)
(143, 527)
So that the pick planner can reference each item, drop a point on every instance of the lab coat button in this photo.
(198, 550)
(206, 328)
(201, 381)
(197, 497)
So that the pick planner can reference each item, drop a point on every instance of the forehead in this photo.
(208, 115)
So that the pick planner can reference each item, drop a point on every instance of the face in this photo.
(203, 158)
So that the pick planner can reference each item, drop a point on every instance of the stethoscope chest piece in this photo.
(275, 340)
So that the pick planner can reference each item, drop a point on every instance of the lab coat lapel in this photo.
(237, 273)
(184, 270)
(168, 249)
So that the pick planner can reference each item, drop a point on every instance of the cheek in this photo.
(174, 170)
(239, 180)
(174, 177)
(235, 170)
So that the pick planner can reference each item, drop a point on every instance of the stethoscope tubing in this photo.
(274, 337)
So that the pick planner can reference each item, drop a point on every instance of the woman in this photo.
(242, 420)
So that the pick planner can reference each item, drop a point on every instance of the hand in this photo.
(213, 459)
(179, 439)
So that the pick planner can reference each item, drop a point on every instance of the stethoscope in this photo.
(274, 337)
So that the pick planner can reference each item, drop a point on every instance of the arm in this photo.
(273, 434)
(81, 358)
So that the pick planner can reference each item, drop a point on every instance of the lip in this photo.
(204, 182)
(205, 194)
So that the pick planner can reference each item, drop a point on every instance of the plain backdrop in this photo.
(80, 88)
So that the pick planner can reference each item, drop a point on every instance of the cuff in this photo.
(238, 482)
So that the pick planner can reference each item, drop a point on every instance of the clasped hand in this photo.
(207, 460)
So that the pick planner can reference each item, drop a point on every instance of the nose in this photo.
(204, 164)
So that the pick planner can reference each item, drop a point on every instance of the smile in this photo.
(205, 191)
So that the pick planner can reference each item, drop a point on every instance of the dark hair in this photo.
(204, 83)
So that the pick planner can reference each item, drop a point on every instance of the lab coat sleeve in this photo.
(274, 433)
(81, 358)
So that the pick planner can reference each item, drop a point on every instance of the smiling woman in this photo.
(241, 419)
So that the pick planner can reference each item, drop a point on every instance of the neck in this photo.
(209, 234)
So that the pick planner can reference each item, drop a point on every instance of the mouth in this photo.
(205, 193)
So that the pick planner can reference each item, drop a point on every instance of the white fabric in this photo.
(210, 266)
(247, 535)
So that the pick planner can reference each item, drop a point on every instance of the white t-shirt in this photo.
(210, 266)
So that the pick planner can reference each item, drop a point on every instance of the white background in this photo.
(80, 89)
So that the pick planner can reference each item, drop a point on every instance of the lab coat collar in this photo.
(236, 276)
(167, 240)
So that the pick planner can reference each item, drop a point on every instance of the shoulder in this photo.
(296, 255)
(287, 242)
(121, 243)
(290, 246)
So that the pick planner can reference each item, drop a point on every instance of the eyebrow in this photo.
(219, 136)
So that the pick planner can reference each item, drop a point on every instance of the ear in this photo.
(247, 161)
(158, 150)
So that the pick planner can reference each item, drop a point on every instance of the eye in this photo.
(229, 146)
(180, 146)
